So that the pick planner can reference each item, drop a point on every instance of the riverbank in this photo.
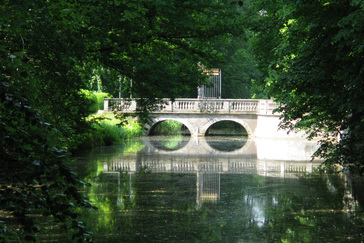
(107, 129)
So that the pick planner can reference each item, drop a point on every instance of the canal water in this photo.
(218, 189)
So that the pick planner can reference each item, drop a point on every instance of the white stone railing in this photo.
(248, 106)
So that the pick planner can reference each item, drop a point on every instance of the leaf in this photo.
(27, 147)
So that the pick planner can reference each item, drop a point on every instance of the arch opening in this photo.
(169, 128)
(226, 136)
(226, 128)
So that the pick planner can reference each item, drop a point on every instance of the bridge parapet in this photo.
(224, 106)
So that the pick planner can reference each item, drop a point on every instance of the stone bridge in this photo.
(198, 115)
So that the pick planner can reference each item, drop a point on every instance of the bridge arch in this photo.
(157, 121)
(198, 126)
(238, 121)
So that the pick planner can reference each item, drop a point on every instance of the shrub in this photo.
(107, 130)
(93, 102)
(111, 134)
(100, 99)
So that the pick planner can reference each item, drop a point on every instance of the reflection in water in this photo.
(208, 188)
(198, 193)
(227, 143)
(177, 142)
(172, 142)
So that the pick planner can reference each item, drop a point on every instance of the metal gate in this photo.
(213, 90)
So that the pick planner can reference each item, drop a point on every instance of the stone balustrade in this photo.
(188, 106)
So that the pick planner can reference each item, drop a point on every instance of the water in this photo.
(218, 189)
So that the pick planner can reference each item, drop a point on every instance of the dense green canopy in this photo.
(309, 52)
(312, 55)
(47, 47)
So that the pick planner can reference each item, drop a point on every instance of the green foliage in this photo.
(108, 134)
(315, 69)
(226, 128)
(50, 51)
(92, 99)
(132, 129)
(157, 44)
(109, 130)
(36, 183)
(168, 127)
(100, 99)
(239, 67)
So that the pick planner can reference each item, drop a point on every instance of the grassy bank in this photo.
(108, 130)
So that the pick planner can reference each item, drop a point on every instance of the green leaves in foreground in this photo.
(36, 185)
(313, 54)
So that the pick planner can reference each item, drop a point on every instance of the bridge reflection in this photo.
(191, 155)
(198, 157)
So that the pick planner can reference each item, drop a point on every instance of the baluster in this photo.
(218, 106)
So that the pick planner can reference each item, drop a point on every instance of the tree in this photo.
(45, 46)
(239, 68)
(42, 112)
(35, 179)
(158, 44)
(315, 64)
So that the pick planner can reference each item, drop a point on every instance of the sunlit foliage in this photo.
(313, 57)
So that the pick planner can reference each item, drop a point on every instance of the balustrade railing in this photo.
(197, 106)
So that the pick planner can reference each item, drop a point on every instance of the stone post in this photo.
(106, 105)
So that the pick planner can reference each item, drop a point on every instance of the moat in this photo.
(218, 189)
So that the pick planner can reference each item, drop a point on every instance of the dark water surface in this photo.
(220, 189)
